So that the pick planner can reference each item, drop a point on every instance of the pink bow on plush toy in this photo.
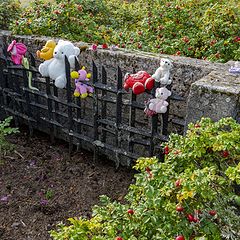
(17, 51)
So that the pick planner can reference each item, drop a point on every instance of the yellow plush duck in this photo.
(46, 52)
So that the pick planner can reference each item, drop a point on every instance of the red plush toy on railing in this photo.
(139, 82)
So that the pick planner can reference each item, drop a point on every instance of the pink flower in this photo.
(94, 47)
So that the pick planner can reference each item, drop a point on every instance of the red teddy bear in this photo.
(139, 82)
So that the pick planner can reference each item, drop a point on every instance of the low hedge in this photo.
(193, 194)
(199, 29)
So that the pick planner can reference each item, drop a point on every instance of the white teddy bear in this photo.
(159, 104)
(163, 72)
(55, 67)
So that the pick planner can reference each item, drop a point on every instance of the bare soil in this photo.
(41, 185)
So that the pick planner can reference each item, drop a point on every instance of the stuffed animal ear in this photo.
(169, 93)
(60, 41)
(11, 45)
(77, 51)
(157, 91)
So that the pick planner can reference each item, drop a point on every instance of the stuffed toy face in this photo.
(65, 48)
(166, 63)
(162, 93)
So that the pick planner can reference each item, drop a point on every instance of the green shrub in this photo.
(191, 193)
(5, 130)
(198, 29)
(9, 11)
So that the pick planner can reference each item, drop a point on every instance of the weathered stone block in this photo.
(216, 95)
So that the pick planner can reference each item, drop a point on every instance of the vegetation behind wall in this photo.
(198, 29)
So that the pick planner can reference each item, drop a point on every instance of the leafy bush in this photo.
(5, 130)
(198, 29)
(9, 11)
(191, 195)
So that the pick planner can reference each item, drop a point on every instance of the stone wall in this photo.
(191, 77)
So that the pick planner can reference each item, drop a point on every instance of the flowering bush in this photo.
(198, 29)
(191, 195)
(9, 11)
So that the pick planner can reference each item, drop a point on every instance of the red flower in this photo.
(166, 150)
(180, 238)
(179, 208)
(79, 7)
(213, 42)
(185, 39)
(130, 211)
(225, 154)
(178, 7)
(104, 46)
(178, 53)
(190, 218)
(212, 212)
(236, 39)
(56, 12)
(178, 183)
(118, 238)
(148, 170)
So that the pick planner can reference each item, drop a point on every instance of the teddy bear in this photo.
(159, 103)
(81, 89)
(55, 67)
(163, 72)
(139, 82)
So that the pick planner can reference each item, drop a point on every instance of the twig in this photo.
(18, 154)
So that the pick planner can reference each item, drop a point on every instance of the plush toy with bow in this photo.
(82, 90)
(159, 103)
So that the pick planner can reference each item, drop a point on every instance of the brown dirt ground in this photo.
(36, 171)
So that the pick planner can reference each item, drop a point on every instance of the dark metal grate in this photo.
(111, 122)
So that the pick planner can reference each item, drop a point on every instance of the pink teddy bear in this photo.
(81, 89)
(158, 104)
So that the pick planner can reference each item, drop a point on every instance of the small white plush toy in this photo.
(159, 104)
(55, 67)
(162, 74)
